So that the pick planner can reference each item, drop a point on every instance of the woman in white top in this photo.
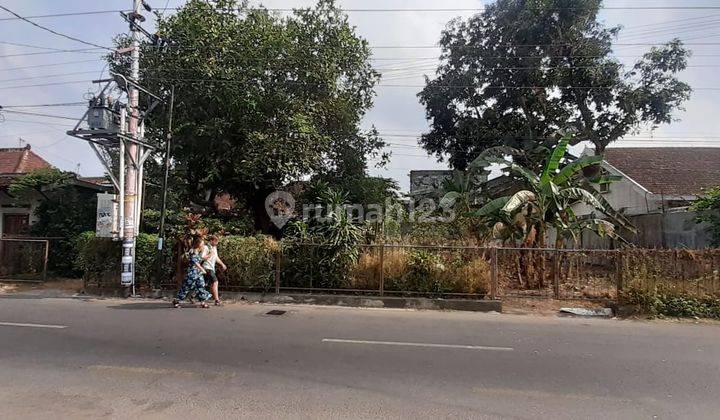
(210, 258)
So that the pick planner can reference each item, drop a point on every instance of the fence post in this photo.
(382, 269)
(618, 272)
(493, 273)
(45, 261)
(556, 274)
(278, 259)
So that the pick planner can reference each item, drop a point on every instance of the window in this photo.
(604, 187)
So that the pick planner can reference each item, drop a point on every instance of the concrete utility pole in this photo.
(131, 171)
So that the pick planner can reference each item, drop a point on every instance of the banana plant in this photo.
(464, 187)
(549, 198)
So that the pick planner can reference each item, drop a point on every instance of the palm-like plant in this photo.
(548, 201)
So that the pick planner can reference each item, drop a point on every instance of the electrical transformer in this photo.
(104, 114)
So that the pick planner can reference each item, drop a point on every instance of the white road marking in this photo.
(399, 343)
(18, 324)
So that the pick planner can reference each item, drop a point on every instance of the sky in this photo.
(396, 112)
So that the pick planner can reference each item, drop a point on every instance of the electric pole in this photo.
(163, 208)
(113, 126)
(131, 170)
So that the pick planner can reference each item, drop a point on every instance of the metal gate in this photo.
(23, 259)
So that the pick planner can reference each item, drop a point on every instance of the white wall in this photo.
(625, 196)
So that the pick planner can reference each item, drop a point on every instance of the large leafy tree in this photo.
(261, 99)
(523, 69)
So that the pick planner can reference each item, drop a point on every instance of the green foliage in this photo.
(98, 259)
(63, 212)
(423, 268)
(36, 182)
(548, 201)
(516, 72)
(250, 261)
(338, 236)
(175, 222)
(260, 98)
(431, 272)
(708, 208)
(668, 302)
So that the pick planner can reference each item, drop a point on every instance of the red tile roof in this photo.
(20, 161)
(668, 170)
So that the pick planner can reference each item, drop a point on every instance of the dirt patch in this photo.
(548, 307)
(61, 284)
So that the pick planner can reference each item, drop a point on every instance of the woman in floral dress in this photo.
(194, 280)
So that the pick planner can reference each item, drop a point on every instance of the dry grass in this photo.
(473, 277)
(454, 272)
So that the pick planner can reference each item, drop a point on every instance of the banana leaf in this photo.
(518, 199)
(554, 162)
(573, 168)
(491, 207)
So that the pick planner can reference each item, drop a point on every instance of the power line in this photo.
(370, 10)
(49, 76)
(48, 65)
(38, 122)
(46, 105)
(77, 51)
(620, 44)
(18, 44)
(41, 115)
(413, 86)
(46, 84)
(53, 31)
(95, 12)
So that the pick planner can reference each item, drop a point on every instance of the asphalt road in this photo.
(74, 358)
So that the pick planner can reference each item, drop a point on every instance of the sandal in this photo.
(204, 305)
(176, 303)
(217, 302)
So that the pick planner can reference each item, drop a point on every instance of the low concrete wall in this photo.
(334, 300)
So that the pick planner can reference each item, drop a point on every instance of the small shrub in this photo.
(425, 273)
(99, 259)
(669, 302)
(472, 276)
(250, 261)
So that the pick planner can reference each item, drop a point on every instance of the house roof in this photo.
(20, 160)
(668, 170)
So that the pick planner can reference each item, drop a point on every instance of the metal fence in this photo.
(24, 259)
(473, 272)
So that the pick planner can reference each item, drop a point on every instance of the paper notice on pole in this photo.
(126, 279)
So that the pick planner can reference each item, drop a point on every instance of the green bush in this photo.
(99, 259)
(663, 301)
(250, 261)
(175, 222)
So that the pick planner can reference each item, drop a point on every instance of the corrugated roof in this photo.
(668, 170)
(20, 160)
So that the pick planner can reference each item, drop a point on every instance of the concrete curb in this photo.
(335, 300)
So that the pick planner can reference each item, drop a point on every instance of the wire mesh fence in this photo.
(558, 273)
(682, 271)
(472, 272)
(24, 259)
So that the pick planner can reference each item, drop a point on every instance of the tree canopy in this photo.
(523, 69)
(260, 99)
